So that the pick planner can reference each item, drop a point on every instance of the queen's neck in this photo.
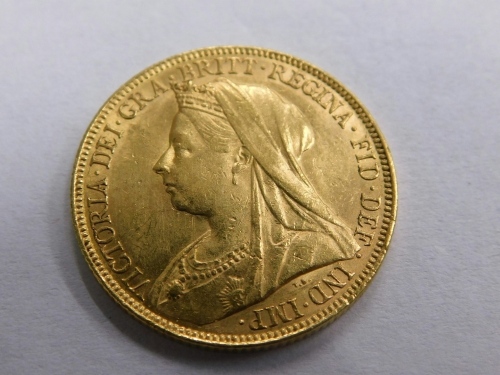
(230, 228)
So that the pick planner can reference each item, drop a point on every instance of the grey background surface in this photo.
(427, 70)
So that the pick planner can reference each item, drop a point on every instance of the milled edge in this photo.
(278, 337)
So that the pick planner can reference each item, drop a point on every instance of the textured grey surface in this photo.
(427, 70)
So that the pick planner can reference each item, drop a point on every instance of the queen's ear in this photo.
(243, 160)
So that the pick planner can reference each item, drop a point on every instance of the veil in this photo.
(277, 133)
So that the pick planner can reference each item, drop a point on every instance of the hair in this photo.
(215, 131)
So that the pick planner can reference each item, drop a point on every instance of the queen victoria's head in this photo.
(205, 161)
(233, 156)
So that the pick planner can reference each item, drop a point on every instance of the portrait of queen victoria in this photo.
(234, 158)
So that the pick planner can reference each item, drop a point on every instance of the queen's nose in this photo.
(164, 163)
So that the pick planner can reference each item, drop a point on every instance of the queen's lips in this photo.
(169, 187)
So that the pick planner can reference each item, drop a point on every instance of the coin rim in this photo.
(193, 336)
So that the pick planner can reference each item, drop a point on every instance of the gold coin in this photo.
(234, 197)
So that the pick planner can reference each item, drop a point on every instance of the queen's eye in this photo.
(181, 148)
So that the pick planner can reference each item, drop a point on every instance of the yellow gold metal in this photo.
(234, 197)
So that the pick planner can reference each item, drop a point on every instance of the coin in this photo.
(234, 197)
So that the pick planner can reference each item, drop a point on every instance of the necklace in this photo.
(191, 273)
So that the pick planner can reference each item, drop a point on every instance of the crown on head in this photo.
(200, 98)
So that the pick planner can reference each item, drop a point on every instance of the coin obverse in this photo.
(234, 197)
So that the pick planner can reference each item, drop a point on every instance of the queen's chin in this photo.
(178, 203)
(183, 204)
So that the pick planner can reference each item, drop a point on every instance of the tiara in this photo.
(200, 98)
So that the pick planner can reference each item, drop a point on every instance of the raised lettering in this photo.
(342, 119)
(341, 268)
(139, 99)
(367, 220)
(134, 282)
(278, 70)
(333, 283)
(117, 247)
(139, 289)
(365, 156)
(249, 65)
(101, 187)
(232, 64)
(115, 263)
(367, 173)
(136, 272)
(320, 297)
(108, 144)
(365, 237)
(127, 112)
(100, 158)
(293, 303)
(187, 72)
(307, 87)
(203, 67)
(91, 201)
(280, 312)
(117, 259)
(320, 95)
(157, 87)
(101, 237)
(361, 144)
(107, 128)
(296, 80)
(370, 204)
(99, 217)
(257, 322)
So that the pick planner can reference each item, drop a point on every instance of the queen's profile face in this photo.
(193, 172)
